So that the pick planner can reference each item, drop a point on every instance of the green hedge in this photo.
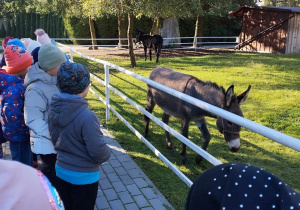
(24, 25)
(107, 27)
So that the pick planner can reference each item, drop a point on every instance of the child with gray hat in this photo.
(75, 132)
(40, 83)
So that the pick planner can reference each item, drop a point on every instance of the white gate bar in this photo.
(153, 149)
(106, 70)
(253, 126)
(99, 97)
(97, 78)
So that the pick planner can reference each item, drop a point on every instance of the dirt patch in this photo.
(166, 53)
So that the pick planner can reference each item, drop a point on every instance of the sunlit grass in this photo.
(273, 102)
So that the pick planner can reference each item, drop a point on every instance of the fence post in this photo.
(71, 54)
(106, 69)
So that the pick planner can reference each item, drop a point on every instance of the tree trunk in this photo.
(122, 29)
(198, 30)
(130, 42)
(93, 33)
(157, 24)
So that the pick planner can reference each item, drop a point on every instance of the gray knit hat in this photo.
(50, 56)
(73, 78)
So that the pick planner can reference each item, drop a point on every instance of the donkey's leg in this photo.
(165, 119)
(201, 124)
(185, 132)
(149, 108)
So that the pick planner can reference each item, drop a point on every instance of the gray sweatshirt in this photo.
(75, 133)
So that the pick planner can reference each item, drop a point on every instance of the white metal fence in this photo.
(255, 127)
(171, 42)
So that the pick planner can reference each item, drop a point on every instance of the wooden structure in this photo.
(269, 29)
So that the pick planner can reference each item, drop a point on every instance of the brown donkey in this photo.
(205, 91)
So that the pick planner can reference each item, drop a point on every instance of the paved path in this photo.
(123, 185)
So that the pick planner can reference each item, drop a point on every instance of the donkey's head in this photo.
(230, 130)
(139, 35)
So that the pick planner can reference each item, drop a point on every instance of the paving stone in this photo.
(119, 186)
(112, 157)
(157, 204)
(134, 173)
(129, 165)
(102, 174)
(131, 206)
(141, 201)
(123, 158)
(148, 193)
(116, 152)
(115, 163)
(148, 208)
(125, 197)
(113, 177)
(110, 194)
(105, 184)
(126, 180)
(102, 203)
(140, 182)
(133, 189)
(116, 205)
(121, 171)
(99, 193)
(107, 168)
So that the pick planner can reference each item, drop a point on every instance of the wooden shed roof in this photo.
(239, 12)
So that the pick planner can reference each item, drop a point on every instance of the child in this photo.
(40, 83)
(4, 42)
(18, 61)
(75, 132)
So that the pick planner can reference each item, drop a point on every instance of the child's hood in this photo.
(7, 80)
(37, 74)
(65, 108)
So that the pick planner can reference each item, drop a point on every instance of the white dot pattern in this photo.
(259, 188)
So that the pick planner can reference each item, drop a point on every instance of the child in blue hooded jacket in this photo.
(12, 90)
(75, 133)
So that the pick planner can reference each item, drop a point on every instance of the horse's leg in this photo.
(149, 108)
(145, 50)
(201, 124)
(185, 132)
(165, 119)
(157, 53)
(150, 53)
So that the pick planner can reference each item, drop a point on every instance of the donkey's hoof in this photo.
(184, 162)
(198, 159)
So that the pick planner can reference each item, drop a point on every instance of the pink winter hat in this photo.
(42, 37)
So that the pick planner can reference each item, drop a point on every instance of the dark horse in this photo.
(205, 91)
(150, 41)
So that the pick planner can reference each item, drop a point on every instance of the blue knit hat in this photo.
(15, 42)
(35, 54)
(73, 78)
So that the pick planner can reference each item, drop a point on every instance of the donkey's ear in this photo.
(242, 98)
(229, 94)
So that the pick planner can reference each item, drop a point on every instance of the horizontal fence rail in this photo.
(171, 43)
(253, 126)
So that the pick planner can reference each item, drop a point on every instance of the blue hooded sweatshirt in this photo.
(11, 108)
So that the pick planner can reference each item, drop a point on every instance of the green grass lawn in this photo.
(273, 102)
